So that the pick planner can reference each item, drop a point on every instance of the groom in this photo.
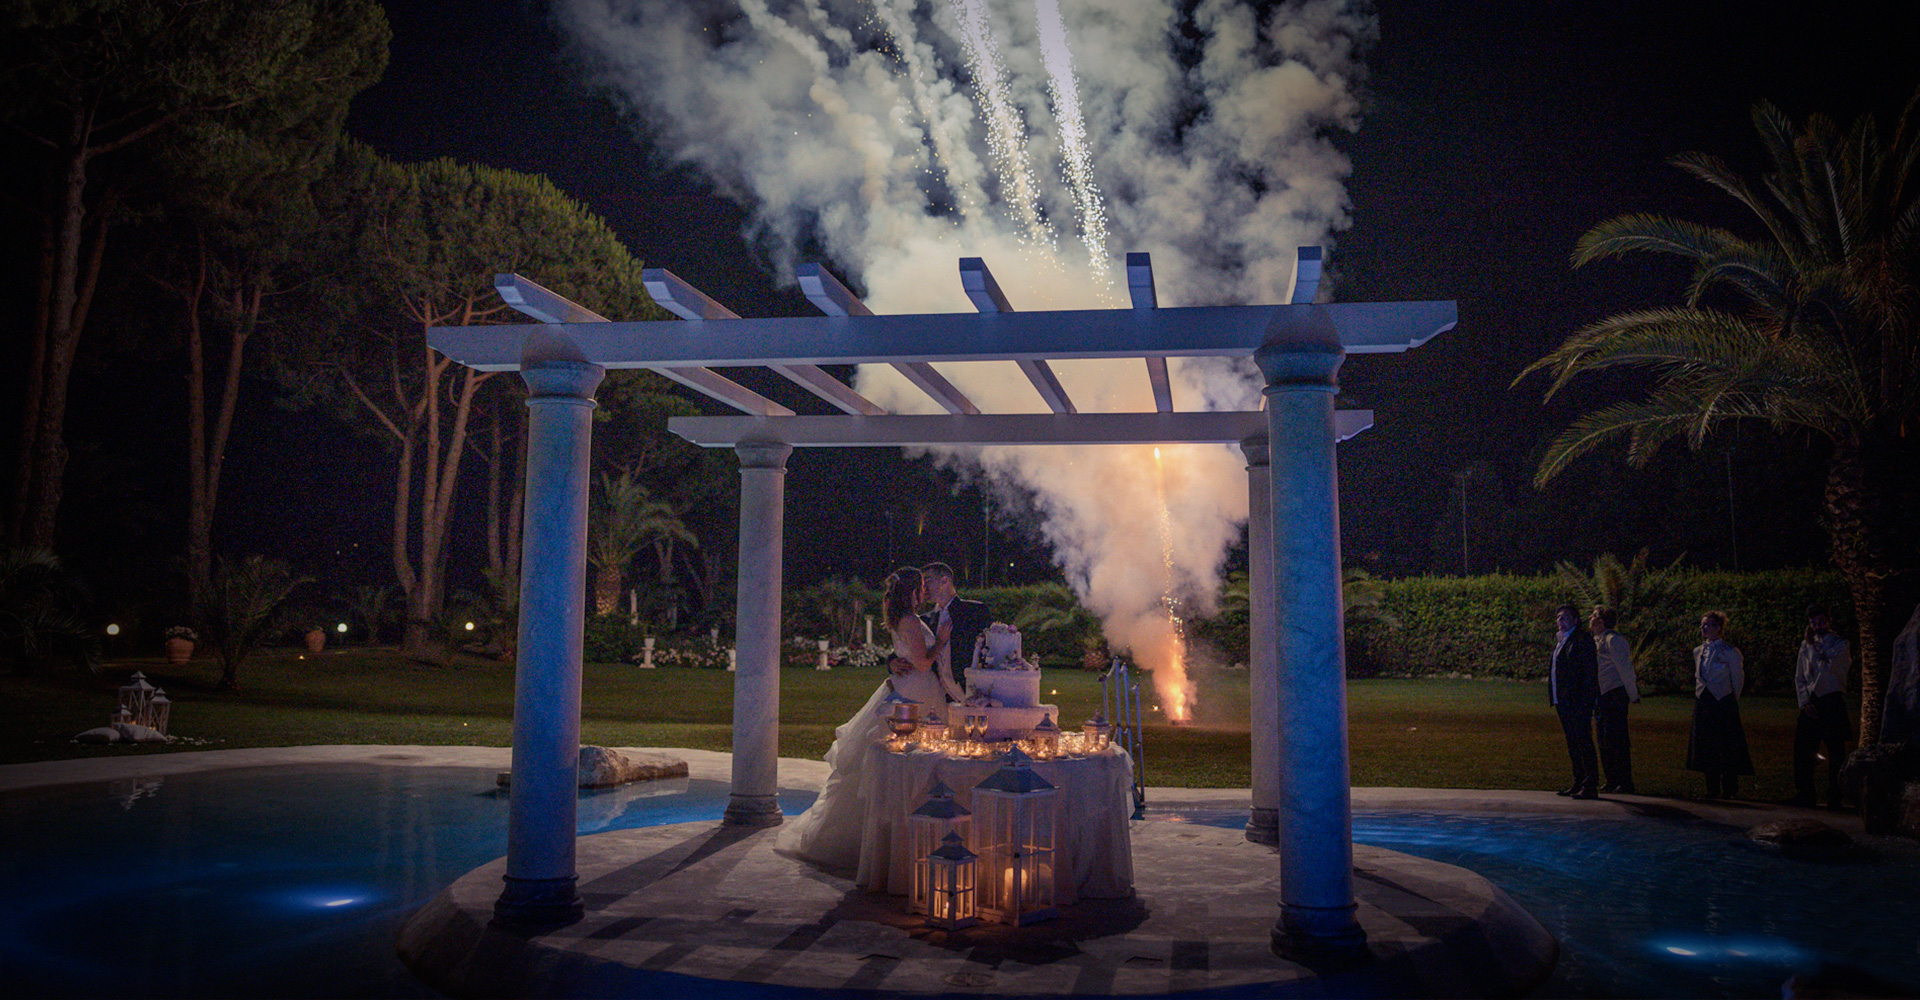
(965, 619)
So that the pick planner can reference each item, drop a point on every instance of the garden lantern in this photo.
(1015, 834)
(646, 653)
(928, 827)
(1046, 737)
(952, 871)
(825, 662)
(134, 697)
(158, 709)
(122, 717)
(1098, 732)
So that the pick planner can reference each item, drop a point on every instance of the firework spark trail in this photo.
(1171, 679)
(1006, 133)
(948, 142)
(1076, 157)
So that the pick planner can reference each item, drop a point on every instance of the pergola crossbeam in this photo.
(676, 295)
(988, 298)
(835, 299)
(562, 315)
(1140, 289)
(901, 431)
(1306, 275)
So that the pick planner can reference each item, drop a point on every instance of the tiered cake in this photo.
(1003, 686)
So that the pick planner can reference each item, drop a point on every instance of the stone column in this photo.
(756, 679)
(1315, 818)
(546, 688)
(1263, 684)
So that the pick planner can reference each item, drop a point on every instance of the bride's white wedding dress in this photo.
(828, 833)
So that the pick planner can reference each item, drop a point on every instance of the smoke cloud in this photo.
(1048, 137)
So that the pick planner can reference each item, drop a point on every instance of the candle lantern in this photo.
(1015, 834)
(159, 708)
(927, 829)
(1098, 732)
(952, 873)
(135, 696)
(122, 717)
(1046, 736)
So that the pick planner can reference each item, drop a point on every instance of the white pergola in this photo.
(1300, 791)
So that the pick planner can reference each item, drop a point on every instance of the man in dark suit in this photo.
(963, 620)
(1573, 687)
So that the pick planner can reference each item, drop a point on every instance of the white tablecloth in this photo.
(1093, 848)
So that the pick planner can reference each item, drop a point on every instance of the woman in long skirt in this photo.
(1717, 743)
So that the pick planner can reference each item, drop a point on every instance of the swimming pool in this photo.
(292, 881)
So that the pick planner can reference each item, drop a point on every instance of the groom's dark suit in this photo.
(1573, 686)
(969, 619)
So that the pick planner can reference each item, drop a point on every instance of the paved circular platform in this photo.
(702, 910)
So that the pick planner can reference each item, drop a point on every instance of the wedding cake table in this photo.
(1093, 846)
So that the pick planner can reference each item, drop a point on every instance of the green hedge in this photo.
(1502, 626)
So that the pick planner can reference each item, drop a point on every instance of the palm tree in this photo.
(622, 519)
(1810, 328)
(244, 602)
(1646, 599)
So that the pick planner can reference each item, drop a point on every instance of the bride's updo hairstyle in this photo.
(903, 592)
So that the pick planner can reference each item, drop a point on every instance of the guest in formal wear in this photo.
(959, 619)
(1618, 689)
(1717, 743)
(1820, 684)
(1572, 688)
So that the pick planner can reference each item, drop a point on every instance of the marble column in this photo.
(540, 875)
(756, 678)
(1315, 810)
(1263, 684)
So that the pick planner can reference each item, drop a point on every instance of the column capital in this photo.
(1254, 446)
(763, 454)
(1300, 366)
(562, 379)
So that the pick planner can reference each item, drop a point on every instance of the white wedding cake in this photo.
(1002, 686)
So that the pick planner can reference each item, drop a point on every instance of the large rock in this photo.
(1801, 838)
(603, 767)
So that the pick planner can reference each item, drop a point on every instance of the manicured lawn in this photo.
(1416, 733)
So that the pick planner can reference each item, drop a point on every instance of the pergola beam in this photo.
(1306, 275)
(988, 298)
(1140, 289)
(679, 297)
(897, 431)
(1195, 331)
(563, 316)
(835, 299)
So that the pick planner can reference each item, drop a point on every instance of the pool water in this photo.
(281, 882)
(293, 881)
(1674, 906)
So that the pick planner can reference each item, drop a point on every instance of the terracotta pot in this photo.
(179, 651)
(316, 641)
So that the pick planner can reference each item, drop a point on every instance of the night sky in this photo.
(1494, 134)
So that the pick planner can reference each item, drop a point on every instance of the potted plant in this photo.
(316, 638)
(180, 640)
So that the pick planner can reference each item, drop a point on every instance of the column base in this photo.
(537, 905)
(752, 810)
(1320, 938)
(1263, 827)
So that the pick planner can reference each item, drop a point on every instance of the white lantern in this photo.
(1046, 736)
(135, 696)
(953, 870)
(1015, 836)
(927, 828)
(1098, 732)
(158, 709)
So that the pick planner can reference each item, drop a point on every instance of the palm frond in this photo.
(1645, 231)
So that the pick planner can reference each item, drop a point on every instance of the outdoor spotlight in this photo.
(469, 626)
(113, 630)
(341, 628)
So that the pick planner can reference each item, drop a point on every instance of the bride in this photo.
(828, 833)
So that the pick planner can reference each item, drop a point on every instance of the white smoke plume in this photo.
(1048, 137)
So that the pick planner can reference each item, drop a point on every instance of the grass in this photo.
(1413, 733)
